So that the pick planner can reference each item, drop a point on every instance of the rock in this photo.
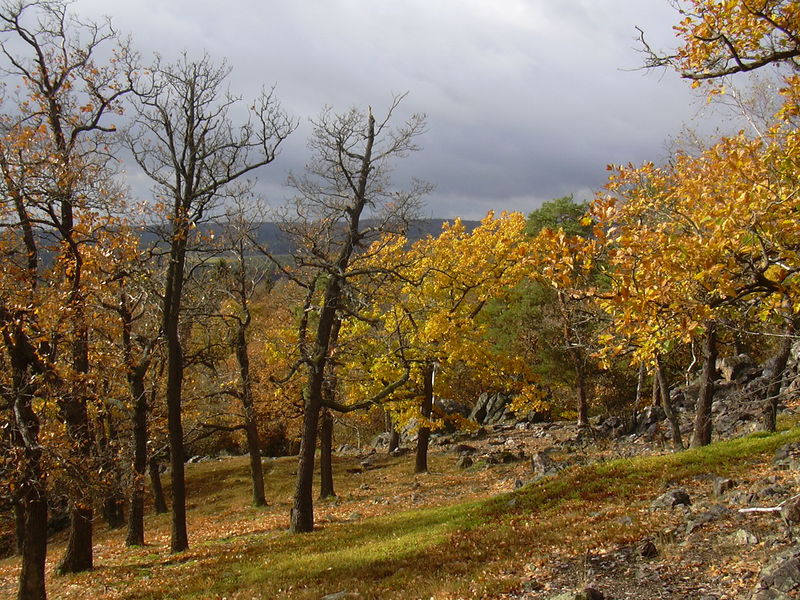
(464, 449)
(587, 594)
(671, 499)
(790, 512)
(788, 457)
(341, 596)
(490, 409)
(355, 516)
(542, 464)
(732, 368)
(381, 440)
(742, 537)
(451, 407)
(698, 521)
(648, 418)
(722, 485)
(464, 462)
(780, 577)
(648, 549)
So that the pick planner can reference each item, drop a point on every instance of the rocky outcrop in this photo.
(491, 409)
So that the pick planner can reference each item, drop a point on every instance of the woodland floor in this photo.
(452, 533)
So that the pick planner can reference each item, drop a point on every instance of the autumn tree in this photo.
(432, 321)
(564, 262)
(54, 163)
(185, 139)
(726, 38)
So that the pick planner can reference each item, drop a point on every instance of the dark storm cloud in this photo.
(526, 100)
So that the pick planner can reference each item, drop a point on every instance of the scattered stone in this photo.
(742, 537)
(355, 516)
(648, 549)
(381, 440)
(464, 449)
(542, 464)
(518, 484)
(722, 485)
(464, 462)
(627, 521)
(341, 596)
(586, 594)
(780, 577)
(671, 499)
(790, 512)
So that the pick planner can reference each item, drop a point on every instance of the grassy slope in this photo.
(459, 550)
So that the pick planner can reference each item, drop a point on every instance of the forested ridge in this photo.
(141, 338)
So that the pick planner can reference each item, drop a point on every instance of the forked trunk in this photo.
(770, 407)
(702, 421)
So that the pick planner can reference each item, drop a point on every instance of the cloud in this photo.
(526, 99)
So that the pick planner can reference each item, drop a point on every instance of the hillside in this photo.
(466, 533)
(270, 234)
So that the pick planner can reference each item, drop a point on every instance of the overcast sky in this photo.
(526, 100)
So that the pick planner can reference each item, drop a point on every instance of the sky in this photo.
(526, 100)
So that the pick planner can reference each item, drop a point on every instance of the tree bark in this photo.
(703, 423)
(251, 426)
(302, 514)
(423, 437)
(326, 455)
(78, 556)
(769, 418)
(580, 388)
(135, 535)
(666, 404)
(34, 547)
(159, 500)
(394, 441)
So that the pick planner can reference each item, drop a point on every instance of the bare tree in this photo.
(345, 202)
(185, 140)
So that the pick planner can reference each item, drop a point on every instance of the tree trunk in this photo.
(394, 441)
(251, 427)
(114, 510)
(34, 547)
(580, 388)
(769, 419)
(135, 535)
(19, 525)
(702, 422)
(159, 500)
(78, 556)
(666, 404)
(423, 437)
(656, 397)
(326, 455)
(302, 515)
(31, 489)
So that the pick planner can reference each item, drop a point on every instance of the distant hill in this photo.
(271, 236)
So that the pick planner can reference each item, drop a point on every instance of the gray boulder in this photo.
(491, 409)
(780, 579)
(671, 499)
